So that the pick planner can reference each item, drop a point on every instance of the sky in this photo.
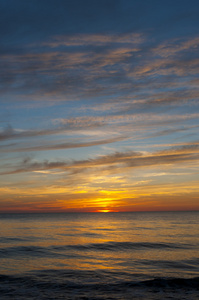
(99, 107)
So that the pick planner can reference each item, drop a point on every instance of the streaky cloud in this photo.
(116, 162)
(70, 125)
(68, 145)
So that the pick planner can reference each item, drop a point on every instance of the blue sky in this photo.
(99, 105)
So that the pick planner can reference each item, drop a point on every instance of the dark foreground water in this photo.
(99, 256)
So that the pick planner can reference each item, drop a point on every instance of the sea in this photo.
(137, 255)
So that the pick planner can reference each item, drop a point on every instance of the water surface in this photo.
(99, 255)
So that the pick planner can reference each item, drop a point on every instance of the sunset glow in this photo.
(99, 108)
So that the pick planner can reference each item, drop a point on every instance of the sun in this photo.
(104, 210)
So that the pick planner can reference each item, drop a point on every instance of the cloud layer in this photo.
(98, 102)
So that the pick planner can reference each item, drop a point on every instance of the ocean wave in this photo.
(11, 239)
(25, 251)
(114, 246)
(119, 246)
(171, 264)
(14, 240)
(83, 278)
(75, 284)
(108, 246)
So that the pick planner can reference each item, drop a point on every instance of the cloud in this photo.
(176, 46)
(70, 124)
(60, 146)
(95, 40)
(172, 130)
(103, 65)
(115, 163)
(116, 127)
